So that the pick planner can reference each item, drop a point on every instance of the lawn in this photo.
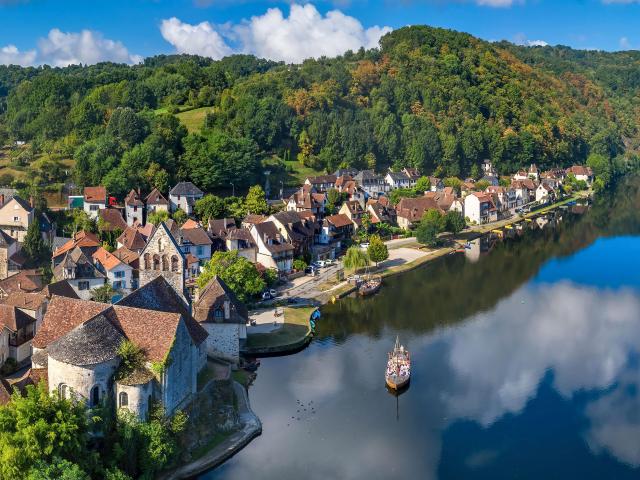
(295, 329)
(194, 119)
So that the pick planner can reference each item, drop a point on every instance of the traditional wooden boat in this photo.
(398, 371)
(369, 286)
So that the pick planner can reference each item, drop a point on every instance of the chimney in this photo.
(226, 310)
(1, 199)
(31, 201)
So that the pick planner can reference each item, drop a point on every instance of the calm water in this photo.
(526, 359)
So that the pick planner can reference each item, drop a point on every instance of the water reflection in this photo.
(525, 364)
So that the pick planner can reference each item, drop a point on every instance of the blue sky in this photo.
(71, 31)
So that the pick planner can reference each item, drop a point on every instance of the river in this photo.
(526, 364)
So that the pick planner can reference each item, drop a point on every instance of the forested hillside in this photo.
(430, 98)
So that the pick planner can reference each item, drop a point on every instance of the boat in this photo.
(398, 371)
(369, 286)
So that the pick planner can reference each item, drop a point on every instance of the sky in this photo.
(63, 32)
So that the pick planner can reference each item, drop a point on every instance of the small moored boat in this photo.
(398, 367)
(370, 286)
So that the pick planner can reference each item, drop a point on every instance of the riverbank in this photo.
(333, 291)
(251, 428)
(292, 333)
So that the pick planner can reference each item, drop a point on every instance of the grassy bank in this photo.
(293, 334)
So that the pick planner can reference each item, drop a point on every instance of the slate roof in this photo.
(62, 288)
(156, 198)
(212, 298)
(20, 201)
(413, 208)
(113, 218)
(76, 259)
(196, 236)
(6, 240)
(220, 226)
(92, 342)
(268, 231)
(139, 376)
(254, 219)
(322, 179)
(186, 189)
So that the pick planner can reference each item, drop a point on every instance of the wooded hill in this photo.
(435, 99)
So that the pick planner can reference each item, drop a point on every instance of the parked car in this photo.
(310, 269)
(364, 246)
(273, 293)
(266, 295)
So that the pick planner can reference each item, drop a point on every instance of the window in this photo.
(199, 251)
(63, 390)
(119, 274)
(95, 396)
(218, 313)
(83, 285)
(94, 208)
(16, 219)
(124, 399)
(118, 285)
(174, 263)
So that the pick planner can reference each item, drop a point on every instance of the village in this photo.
(61, 329)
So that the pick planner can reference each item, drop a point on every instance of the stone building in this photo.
(79, 343)
(9, 248)
(162, 256)
(224, 317)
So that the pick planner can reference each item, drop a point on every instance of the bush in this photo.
(299, 264)
(9, 367)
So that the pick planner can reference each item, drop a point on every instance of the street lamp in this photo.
(233, 189)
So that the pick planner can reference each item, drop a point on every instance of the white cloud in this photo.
(497, 3)
(537, 43)
(60, 49)
(625, 44)
(201, 39)
(10, 55)
(521, 39)
(304, 33)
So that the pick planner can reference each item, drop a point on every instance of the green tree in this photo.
(334, 200)
(103, 293)
(299, 264)
(355, 258)
(237, 272)
(40, 427)
(601, 167)
(210, 206)
(423, 184)
(256, 201)
(157, 217)
(454, 222)
(58, 469)
(377, 250)
(398, 193)
(180, 216)
(432, 223)
(33, 245)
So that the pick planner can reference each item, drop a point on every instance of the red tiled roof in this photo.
(106, 259)
(95, 194)
(339, 220)
(112, 217)
(132, 239)
(80, 239)
(156, 198)
(23, 281)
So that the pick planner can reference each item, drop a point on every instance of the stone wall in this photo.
(139, 398)
(82, 379)
(223, 340)
(181, 375)
(161, 257)
(4, 263)
(4, 345)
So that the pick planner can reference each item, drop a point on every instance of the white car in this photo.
(273, 293)
(364, 246)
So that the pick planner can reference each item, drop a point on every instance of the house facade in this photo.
(224, 317)
(273, 249)
(118, 273)
(479, 207)
(184, 196)
(16, 215)
(95, 199)
(134, 208)
(78, 269)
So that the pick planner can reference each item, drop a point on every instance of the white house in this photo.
(184, 196)
(95, 199)
(80, 272)
(398, 180)
(273, 250)
(544, 193)
(479, 207)
(155, 202)
(134, 208)
(118, 273)
(581, 173)
(196, 241)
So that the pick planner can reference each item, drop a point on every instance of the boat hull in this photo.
(396, 383)
(366, 291)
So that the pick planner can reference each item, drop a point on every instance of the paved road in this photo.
(309, 289)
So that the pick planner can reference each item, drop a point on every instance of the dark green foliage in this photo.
(432, 223)
(377, 250)
(237, 272)
(33, 245)
(454, 222)
(210, 206)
